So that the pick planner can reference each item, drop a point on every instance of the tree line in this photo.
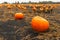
(44, 2)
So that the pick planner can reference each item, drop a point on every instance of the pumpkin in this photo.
(39, 24)
(19, 16)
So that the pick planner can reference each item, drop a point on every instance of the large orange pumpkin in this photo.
(19, 16)
(39, 24)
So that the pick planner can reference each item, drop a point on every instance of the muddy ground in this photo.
(11, 29)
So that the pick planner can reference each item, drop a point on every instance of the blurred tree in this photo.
(5, 2)
(17, 2)
(30, 2)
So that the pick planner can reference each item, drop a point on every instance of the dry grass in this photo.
(12, 29)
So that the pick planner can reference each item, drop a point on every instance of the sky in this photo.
(12, 1)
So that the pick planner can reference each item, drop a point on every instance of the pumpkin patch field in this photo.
(24, 27)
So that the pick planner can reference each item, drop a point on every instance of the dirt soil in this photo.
(11, 29)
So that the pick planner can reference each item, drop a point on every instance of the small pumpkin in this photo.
(19, 16)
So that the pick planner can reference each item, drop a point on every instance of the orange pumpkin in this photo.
(41, 9)
(39, 24)
(1, 5)
(34, 8)
(19, 16)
